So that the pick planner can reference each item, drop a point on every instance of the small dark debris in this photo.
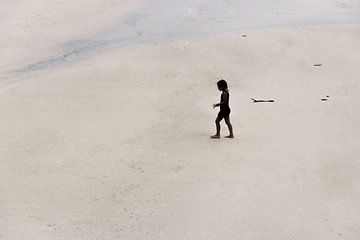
(325, 99)
(262, 100)
(318, 65)
(243, 35)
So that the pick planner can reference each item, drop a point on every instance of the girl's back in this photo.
(225, 100)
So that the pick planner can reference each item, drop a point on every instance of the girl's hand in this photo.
(214, 105)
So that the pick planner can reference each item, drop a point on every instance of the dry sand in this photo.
(115, 144)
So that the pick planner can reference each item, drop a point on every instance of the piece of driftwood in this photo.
(318, 65)
(261, 100)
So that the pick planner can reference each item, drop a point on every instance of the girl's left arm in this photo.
(216, 105)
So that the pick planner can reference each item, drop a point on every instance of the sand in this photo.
(113, 142)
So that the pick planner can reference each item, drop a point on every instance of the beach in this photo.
(106, 118)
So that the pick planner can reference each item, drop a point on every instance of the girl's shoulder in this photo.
(225, 92)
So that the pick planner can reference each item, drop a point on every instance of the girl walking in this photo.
(224, 109)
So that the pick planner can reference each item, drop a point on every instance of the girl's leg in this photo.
(228, 123)
(217, 122)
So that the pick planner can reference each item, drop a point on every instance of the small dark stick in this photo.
(261, 100)
(318, 65)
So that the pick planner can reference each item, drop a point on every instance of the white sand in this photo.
(33, 30)
(115, 144)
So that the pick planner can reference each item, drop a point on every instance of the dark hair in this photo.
(222, 84)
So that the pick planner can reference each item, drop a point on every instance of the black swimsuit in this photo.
(224, 107)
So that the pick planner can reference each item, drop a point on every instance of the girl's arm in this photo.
(216, 105)
(224, 98)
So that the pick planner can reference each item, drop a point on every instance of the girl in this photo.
(224, 109)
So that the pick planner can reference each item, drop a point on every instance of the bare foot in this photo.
(230, 136)
(215, 136)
